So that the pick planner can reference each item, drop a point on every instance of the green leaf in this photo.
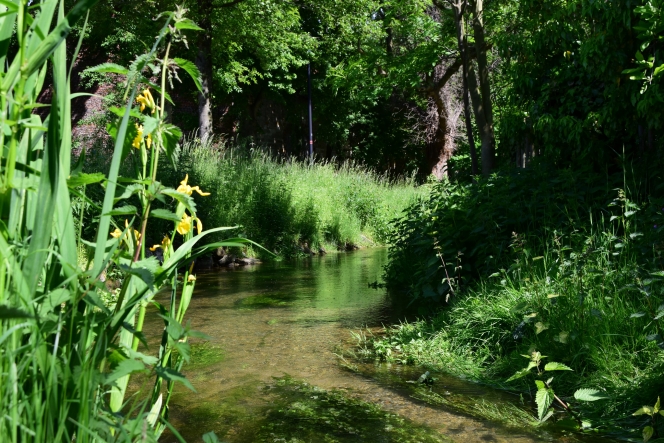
(173, 375)
(165, 214)
(540, 327)
(109, 68)
(648, 431)
(210, 437)
(82, 178)
(143, 269)
(123, 210)
(192, 70)
(53, 299)
(540, 384)
(125, 367)
(185, 199)
(587, 394)
(645, 410)
(187, 24)
(519, 374)
(544, 399)
(8, 312)
(555, 366)
(11, 6)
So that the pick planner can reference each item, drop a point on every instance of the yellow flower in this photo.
(155, 247)
(116, 234)
(166, 242)
(199, 225)
(139, 136)
(186, 189)
(146, 100)
(184, 225)
(191, 278)
(148, 141)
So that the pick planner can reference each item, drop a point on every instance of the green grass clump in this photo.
(283, 203)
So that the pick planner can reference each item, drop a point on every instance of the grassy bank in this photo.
(283, 204)
(564, 264)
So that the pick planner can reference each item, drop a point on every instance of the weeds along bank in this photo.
(283, 204)
(568, 265)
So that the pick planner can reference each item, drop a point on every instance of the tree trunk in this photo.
(484, 92)
(442, 147)
(203, 63)
(486, 135)
(463, 51)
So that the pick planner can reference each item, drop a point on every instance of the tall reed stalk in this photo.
(65, 356)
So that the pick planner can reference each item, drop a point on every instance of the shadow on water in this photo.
(269, 372)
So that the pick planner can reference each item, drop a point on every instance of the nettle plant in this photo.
(545, 396)
(66, 357)
(653, 412)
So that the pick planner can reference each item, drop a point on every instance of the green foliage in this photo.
(283, 203)
(70, 337)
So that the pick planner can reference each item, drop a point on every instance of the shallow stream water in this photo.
(271, 371)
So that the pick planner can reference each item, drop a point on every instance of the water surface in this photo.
(271, 371)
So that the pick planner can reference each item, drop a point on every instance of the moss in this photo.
(306, 413)
(272, 300)
(203, 354)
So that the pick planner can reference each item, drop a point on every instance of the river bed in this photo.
(271, 370)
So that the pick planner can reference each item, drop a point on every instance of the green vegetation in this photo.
(537, 262)
(283, 204)
(67, 357)
(300, 412)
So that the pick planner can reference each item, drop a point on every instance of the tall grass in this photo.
(66, 357)
(284, 203)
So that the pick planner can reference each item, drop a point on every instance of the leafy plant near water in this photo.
(545, 394)
(66, 357)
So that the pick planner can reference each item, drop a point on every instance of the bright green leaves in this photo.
(544, 398)
(554, 366)
(588, 394)
(190, 69)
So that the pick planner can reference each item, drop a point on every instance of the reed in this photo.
(66, 357)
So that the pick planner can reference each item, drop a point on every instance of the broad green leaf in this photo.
(123, 210)
(645, 410)
(540, 327)
(588, 394)
(210, 437)
(519, 374)
(173, 375)
(143, 269)
(544, 399)
(187, 24)
(165, 214)
(110, 68)
(82, 178)
(191, 69)
(185, 199)
(555, 366)
(648, 432)
(125, 367)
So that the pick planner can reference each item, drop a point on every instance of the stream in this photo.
(270, 371)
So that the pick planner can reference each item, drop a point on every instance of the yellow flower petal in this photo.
(197, 189)
(166, 242)
(116, 234)
(148, 141)
(191, 278)
(199, 225)
(139, 136)
(155, 247)
(184, 225)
